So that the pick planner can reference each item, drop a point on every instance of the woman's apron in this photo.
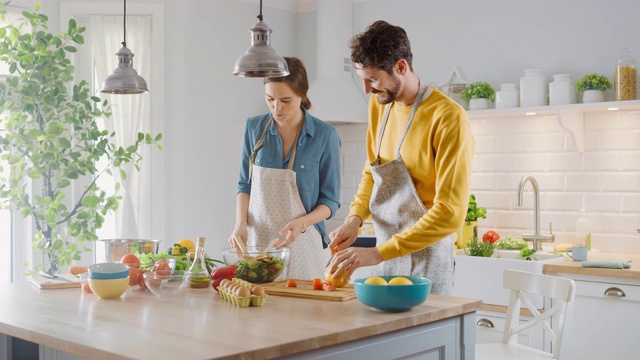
(275, 201)
(395, 206)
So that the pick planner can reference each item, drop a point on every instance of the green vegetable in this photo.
(526, 253)
(509, 243)
(260, 271)
(474, 212)
(479, 248)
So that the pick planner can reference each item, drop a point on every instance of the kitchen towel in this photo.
(609, 264)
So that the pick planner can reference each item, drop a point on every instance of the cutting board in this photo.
(305, 290)
(44, 283)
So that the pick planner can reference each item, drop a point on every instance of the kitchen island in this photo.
(201, 325)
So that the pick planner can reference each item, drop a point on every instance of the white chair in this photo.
(561, 292)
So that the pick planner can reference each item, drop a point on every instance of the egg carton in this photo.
(242, 302)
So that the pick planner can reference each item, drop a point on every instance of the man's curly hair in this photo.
(381, 46)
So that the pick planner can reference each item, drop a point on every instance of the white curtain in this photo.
(131, 114)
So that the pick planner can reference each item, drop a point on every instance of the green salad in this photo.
(509, 243)
(260, 271)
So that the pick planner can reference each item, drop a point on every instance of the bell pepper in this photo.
(220, 273)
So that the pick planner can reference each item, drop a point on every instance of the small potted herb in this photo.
(470, 228)
(479, 94)
(479, 248)
(593, 87)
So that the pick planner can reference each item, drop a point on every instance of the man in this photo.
(416, 183)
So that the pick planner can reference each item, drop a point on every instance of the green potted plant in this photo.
(470, 228)
(479, 94)
(593, 87)
(50, 138)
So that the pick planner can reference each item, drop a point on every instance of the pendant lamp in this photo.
(124, 80)
(260, 60)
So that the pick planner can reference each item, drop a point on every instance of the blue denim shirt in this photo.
(317, 162)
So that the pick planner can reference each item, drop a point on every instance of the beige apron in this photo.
(275, 201)
(395, 206)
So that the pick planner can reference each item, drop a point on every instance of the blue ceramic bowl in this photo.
(393, 298)
(105, 271)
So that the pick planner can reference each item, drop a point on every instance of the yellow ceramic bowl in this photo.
(109, 288)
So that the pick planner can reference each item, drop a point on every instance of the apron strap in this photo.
(260, 142)
(416, 103)
(257, 147)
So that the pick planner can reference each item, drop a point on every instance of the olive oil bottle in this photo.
(200, 277)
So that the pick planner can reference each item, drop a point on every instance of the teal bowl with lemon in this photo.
(386, 296)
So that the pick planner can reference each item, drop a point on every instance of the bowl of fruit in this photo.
(392, 293)
(255, 265)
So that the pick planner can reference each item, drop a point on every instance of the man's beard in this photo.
(388, 96)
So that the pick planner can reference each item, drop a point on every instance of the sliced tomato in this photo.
(317, 284)
(328, 286)
(291, 283)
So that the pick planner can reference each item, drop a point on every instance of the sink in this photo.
(481, 277)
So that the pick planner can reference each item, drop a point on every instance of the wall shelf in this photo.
(570, 117)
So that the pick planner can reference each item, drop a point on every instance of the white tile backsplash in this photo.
(605, 179)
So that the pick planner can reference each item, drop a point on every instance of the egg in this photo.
(258, 291)
(243, 292)
(223, 283)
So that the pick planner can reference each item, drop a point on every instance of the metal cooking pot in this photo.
(115, 249)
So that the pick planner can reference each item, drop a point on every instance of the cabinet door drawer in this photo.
(608, 291)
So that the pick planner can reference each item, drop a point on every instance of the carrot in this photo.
(77, 269)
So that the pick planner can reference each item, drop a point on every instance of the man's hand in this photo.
(345, 262)
(346, 234)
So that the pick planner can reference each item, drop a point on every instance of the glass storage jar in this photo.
(533, 89)
(507, 97)
(562, 90)
(626, 75)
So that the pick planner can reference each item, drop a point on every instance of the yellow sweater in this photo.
(438, 151)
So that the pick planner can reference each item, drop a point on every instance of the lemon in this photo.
(337, 282)
(190, 245)
(375, 280)
(400, 280)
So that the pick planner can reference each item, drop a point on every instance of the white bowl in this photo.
(108, 271)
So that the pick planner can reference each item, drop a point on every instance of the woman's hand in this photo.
(241, 233)
(292, 229)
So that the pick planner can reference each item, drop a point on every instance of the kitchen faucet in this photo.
(536, 237)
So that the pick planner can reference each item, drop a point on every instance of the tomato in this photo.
(130, 260)
(86, 287)
(162, 268)
(135, 276)
(220, 273)
(491, 236)
(328, 286)
(291, 283)
(142, 284)
(317, 284)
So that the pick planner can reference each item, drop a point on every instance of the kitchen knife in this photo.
(53, 277)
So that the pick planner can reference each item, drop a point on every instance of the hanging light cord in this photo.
(260, 16)
(124, 41)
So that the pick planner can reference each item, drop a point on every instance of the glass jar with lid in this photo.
(507, 96)
(562, 90)
(533, 88)
(626, 75)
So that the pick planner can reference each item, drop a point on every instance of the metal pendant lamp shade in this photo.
(260, 60)
(124, 79)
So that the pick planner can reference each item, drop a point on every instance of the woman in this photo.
(289, 179)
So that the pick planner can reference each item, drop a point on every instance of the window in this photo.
(15, 243)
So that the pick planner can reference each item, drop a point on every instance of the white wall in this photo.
(492, 40)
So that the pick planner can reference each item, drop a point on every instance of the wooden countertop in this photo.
(198, 325)
(575, 267)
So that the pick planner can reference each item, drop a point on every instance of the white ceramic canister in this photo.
(507, 97)
(562, 90)
(533, 89)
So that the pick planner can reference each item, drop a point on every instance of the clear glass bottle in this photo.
(583, 230)
(562, 90)
(200, 277)
(533, 88)
(626, 76)
(507, 96)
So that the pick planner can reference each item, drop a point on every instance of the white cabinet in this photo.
(490, 325)
(605, 320)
